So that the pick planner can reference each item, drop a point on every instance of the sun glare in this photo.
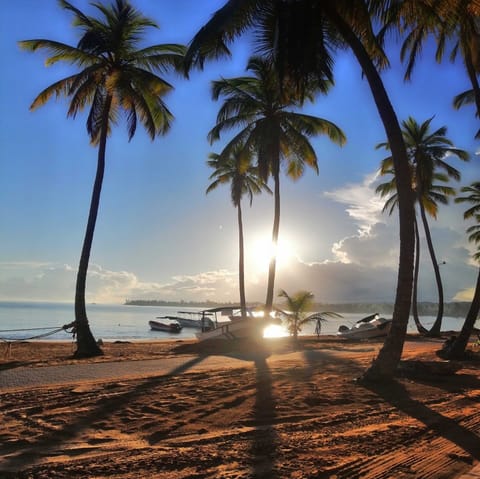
(275, 331)
(262, 250)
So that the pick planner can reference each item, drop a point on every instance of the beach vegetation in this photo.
(427, 151)
(466, 98)
(237, 169)
(296, 310)
(472, 196)
(453, 24)
(272, 132)
(303, 37)
(116, 75)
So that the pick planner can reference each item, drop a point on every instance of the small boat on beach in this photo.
(166, 326)
(191, 319)
(372, 326)
(235, 327)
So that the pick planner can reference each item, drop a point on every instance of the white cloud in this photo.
(364, 205)
(465, 295)
(364, 268)
(372, 243)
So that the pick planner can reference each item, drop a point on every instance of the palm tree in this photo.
(302, 37)
(270, 130)
(386, 189)
(114, 77)
(297, 306)
(427, 151)
(466, 98)
(243, 178)
(457, 350)
(454, 21)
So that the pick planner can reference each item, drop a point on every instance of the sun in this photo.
(260, 251)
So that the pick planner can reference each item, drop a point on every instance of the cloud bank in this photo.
(363, 269)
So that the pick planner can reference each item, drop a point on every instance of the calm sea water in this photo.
(121, 322)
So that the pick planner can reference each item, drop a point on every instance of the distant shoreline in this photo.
(453, 309)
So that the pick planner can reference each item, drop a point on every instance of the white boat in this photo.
(169, 327)
(192, 319)
(235, 327)
(372, 326)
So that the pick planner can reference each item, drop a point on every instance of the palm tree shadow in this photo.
(52, 441)
(397, 395)
(264, 445)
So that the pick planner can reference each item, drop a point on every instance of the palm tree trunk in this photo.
(276, 228)
(241, 263)
(457, 350)
(384, 366)
(416, 318)
(435, 329)
(86, 344)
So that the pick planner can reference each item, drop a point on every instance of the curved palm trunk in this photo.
(457, 351)
(435, 329)
(241, 263)
(384, 366)
(276, 228)
(86, 344)
(416, 318)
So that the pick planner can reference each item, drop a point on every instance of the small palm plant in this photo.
(297, 308)
(297, 305)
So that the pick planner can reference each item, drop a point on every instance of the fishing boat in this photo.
(231, 324)
(372, 326)
(191, 319)
(168, 327)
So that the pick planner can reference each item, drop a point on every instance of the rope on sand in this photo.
(53, 330)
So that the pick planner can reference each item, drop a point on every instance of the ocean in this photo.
(112, 322)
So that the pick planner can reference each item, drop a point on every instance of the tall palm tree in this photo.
(271, 130)
(302, 37)
(244, 180)
(436, 193)
(114, 76)
(389, 189)
(427, 151)
(457, 350)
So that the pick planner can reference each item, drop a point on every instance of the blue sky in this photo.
(158, 235)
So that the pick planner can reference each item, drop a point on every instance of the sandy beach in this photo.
(280, 412)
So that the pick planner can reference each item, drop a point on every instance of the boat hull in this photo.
(375, 328)
(236, 329)
(197, 323)
(166, 327)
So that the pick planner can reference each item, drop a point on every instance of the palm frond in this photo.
(59, 52)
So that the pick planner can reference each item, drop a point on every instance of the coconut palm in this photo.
(389, 189)
(427, 151)
(441, 193)
(244, 180)
(457, 349)
(466, 98)
(303, 37)
(454, 22)
(271, 130)
(114, 76)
